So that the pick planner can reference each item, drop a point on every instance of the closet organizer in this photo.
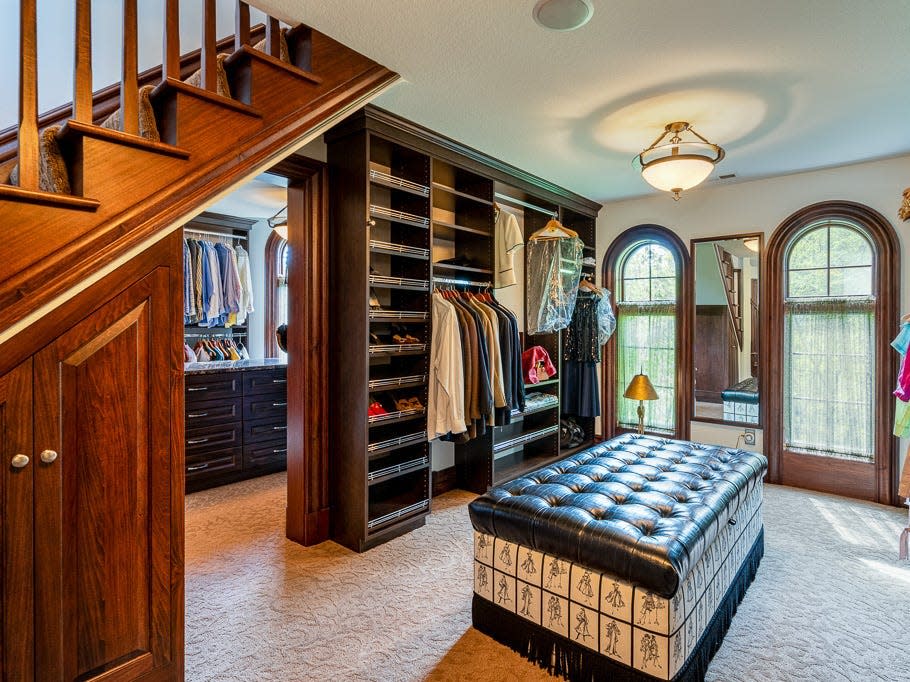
(413, 226)
(235, 406)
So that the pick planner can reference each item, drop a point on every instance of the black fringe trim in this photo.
(562, 656)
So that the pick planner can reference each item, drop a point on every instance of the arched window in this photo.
(832, 311)
(645, 268)
(276, 291)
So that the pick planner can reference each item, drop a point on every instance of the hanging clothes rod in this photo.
(461, 282)
(505, 198)
(212, 335)
(213, 234)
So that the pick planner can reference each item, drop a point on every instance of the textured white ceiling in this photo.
(784, 86)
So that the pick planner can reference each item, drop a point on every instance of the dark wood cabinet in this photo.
(92, 525)
(236, 424)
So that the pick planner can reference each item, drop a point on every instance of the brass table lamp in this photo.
(640, 389)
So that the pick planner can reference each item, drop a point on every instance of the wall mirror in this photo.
(725, 338)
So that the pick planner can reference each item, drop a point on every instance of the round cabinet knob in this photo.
(19, 461)
(48, 456)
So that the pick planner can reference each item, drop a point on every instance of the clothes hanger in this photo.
(905, 318)
(553, 230)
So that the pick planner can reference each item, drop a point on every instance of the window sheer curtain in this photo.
(646, 342)
(829, 367)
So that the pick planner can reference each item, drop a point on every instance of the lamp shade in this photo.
(677, 173)
(640, 388)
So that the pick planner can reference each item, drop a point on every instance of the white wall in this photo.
(760, 206)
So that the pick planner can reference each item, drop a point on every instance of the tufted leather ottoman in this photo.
(624, 561)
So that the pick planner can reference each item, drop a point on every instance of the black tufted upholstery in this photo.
(640, 508)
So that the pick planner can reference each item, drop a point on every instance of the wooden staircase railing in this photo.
(124, 187)
(732, 292)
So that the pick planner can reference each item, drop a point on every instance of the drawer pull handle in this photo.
(48, 456)
(280, 451)
(279, 428)
(279, 381)
(191, 389)
(19, 461)
(279, 404)
(193, 415)
(197, 467)
(197, 441)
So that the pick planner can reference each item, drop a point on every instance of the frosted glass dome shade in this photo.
(677, 173)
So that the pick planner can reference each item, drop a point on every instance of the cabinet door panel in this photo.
(103, 509)
(16, 526)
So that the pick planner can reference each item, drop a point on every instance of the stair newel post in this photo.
(209, 77)
(170, 67)
(129, 88)
(28, 95)
(242, 25)
(82, 67)
(273, 37)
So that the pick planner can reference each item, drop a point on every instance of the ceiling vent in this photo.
(563, 15)
(728, 176)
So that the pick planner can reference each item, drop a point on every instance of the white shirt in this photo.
(246, 284)
(445, 403)
(508, 239)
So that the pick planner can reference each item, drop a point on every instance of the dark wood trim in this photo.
(886, 278)
(665, 237)
(308, 344)
(761, 274)
(444, 480)
(272, 248)
(397, 129)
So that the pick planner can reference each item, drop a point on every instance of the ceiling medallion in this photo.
(563, 15)
(677, 165)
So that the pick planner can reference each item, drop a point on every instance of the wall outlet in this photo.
(748, 436)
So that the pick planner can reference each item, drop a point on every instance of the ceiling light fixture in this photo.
(677, 164)
(279, 223)
(563, 15)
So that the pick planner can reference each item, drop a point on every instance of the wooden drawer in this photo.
(262, 455)
(209, 412)
(203, 466)
(200, 387)
(208, 438)
(269, 381)
(270, 408)
(261, 432)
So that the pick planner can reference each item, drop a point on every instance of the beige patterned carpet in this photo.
(831, 601)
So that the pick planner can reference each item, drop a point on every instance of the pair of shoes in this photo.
(405, 404)
(571, 434)
(375, 409)
(407, 338)
(375, 339)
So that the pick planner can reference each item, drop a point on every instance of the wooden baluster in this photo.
(28, 95)
(272, 38)
(170, 68)
(82, 69)
(209, 77)
(242, 25)
(129, 89)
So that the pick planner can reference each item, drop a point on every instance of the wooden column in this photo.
(209, 77)
(273, 37)
(129, 89)
(241, 25)
(170, 67)
(82, 69)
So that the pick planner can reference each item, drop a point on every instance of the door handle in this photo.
(19, 461)
(48, 456)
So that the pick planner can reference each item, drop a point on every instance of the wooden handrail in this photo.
(28, 95)
(209, 77)
(82, 69)
(129, 88)
(170, 66)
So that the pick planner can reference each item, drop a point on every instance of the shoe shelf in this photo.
(398, 514)
(387, 472)
(392, 249)
(396, 216)
(381, 314)
(525, 438)
(397, 349)
(396, 417)
(446, 226)
(397, 382)
(389, 282)
(542, 406)
(384, 446)
(379, 177)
